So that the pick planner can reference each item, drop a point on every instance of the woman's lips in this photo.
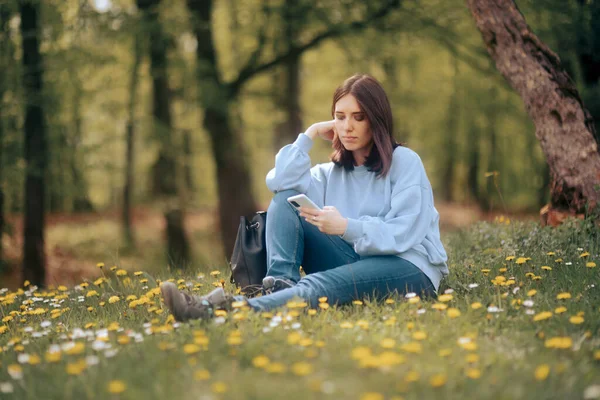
(350, 138)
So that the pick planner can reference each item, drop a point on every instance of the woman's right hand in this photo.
(325, 130)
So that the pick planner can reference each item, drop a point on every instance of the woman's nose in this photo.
(347, 125)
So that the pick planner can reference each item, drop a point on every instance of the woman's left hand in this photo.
(329, 220)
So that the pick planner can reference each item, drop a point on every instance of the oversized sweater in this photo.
(391, 215)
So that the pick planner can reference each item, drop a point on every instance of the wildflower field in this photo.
(518, 317)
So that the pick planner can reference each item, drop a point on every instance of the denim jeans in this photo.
(333, 269)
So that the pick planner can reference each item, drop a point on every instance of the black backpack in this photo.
(248, 261)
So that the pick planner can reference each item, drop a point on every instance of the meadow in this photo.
(518, 317)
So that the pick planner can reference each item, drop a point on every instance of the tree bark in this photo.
(4, 63)
(165, 168)
(450, 146)
(35, 143)
(235, 192)
(128, 232)
(564, 127)
(288, 94)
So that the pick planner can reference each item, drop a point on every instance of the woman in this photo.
(377, 232)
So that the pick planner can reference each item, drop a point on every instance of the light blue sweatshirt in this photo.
(393, 215)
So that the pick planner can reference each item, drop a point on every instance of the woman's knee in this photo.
(280, 202)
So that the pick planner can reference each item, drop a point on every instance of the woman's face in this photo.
(352, 126)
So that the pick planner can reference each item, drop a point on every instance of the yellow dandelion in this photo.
(590, 264)
(521, 260)
(322, 299)
(219, 387)
(390, 301)
(116, 387)
(346, 325)
(576, 320)
(542, 372)
(113, 268)
(414, 300)
(558, 260)
(476, 305)
(412, 347)
(546, 268)
(138, 273)
(215, 273)
(302, 368)
(473, 373)
(583, 255)
(563, 295)
(121, 272)
(275, 368)
(597, 355)
(323, 306)
(453, 312)
(371, 396)
(53, 357)
(472, 358)
(260, 361)
(438, 380)
(113, 299)
(357, 303)
(445, 352)
(509, 258)
(91, 293)
(419, 335)
(202, 375)
(439, 306)
(411, 376)
(560, 310)
(551, 253)
(361, 352)
(559, 342)
(100, 265)
(542, 316)
(531, 293)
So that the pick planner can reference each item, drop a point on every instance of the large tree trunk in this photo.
(4, 63)
(233, 176)
(34, 258)
(564, 127)
(165, 168)
(128, 232)
(288, 94)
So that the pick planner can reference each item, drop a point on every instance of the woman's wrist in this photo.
(311, 132)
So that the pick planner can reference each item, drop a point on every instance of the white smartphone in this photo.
(301, 200)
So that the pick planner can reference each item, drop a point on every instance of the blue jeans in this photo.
(333, 269)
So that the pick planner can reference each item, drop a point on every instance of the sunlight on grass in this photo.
(503, 326)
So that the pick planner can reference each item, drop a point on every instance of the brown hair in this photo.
(375, 104)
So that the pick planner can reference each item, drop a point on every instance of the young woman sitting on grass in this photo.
(377, 232)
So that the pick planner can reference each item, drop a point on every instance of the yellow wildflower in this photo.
(113, 299)
(590, 264)
(302, 368)
(541, 372)
(202, 375)
(116, 387)
(542, 316)
(576, 320)
(438, 380)
(563, 295)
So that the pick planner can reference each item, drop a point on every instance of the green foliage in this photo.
(403, 348)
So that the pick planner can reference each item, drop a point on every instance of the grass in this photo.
(520, 319)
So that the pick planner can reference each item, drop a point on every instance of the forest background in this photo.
(153, 110)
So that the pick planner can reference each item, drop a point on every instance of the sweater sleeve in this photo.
(408, 221)
(293, 171)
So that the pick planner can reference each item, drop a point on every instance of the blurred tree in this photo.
(5, 59)
(218, 96)
(450, 147)
(128, 231)
(551, 100)
(164, 170)
(34, 257)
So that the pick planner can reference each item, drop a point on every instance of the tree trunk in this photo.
(34, 258)
(233, 175)
(450, 146)
(289, 93)
(81, 201)
(128, 232)
(473, 162)
(564, 127)
(165, 168)
(4, 64)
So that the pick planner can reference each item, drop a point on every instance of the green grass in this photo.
(369, 350)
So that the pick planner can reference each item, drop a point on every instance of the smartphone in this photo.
(301, 200)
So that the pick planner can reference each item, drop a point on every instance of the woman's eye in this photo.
(360, 118)
(339, 117)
